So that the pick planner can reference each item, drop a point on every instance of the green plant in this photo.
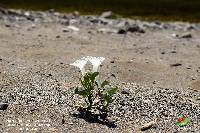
(97, 94)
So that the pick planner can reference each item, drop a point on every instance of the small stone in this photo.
(27, 14)
(187, 35)
(175, 35)
(107, 14)
(113, 75)
(107, 30)
(176, 64)
(135, 28)
(125, 91)
(73, 28)
(8, 25)
(162, 52)
(65, 30)
(121, 31)
(76, 14)
(147, 126)
(198, 98)
(173, 52)
(51, 10)
(112, 61)
(57, 36)
(3, 106)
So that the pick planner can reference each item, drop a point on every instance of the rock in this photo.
(122, 24)
(135, 28)
(8, 25)
(122, 31)
(73, 28)
(198, 98)
(186, 35)
(3, 106)
(27, 14)
(65, 30)
(51, 10)
(107, 30)
(176, 64)
(76, 14)
(175, 35)
(162, 52)
(125, 91)
(147, 126)
(112, 61)
(101, 21)
(113, 75)
(108, 14)
(173, 52)
(58, 36)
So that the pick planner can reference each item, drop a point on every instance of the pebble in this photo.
(135, 28)
(147, 126)
(3, 106)
(107, 30)
(125, 91)
(107, 14)
(176, 65)
(186, 35)
(73, 28)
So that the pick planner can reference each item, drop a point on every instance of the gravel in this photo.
(39, 98)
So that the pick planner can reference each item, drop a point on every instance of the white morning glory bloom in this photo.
(96, 62)
(80, 64)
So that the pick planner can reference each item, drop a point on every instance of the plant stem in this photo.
(90, 102)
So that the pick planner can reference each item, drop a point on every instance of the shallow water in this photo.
(188, 10)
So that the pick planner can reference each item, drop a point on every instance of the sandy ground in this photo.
(35, 56)
(141, 58)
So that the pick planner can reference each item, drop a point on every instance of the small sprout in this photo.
(97, 94)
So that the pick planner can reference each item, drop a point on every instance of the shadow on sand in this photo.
(94, 118)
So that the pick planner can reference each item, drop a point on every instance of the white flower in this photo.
(96, 62)
(80, 64)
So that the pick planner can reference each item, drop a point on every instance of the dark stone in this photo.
(135, 28)
(57, 36)
(113, 75)
(187, 35)
(112, 61)
(3, 106)
(173, 51)
(162, 52)
(175, 65)
(7, 25)
(121, 31)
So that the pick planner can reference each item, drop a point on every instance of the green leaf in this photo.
(80, 91)
(112, 91)
(93, 76)
(104, 83)
(108, 95)
(98, 84)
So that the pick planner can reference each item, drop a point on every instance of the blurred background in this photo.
(185, 10)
